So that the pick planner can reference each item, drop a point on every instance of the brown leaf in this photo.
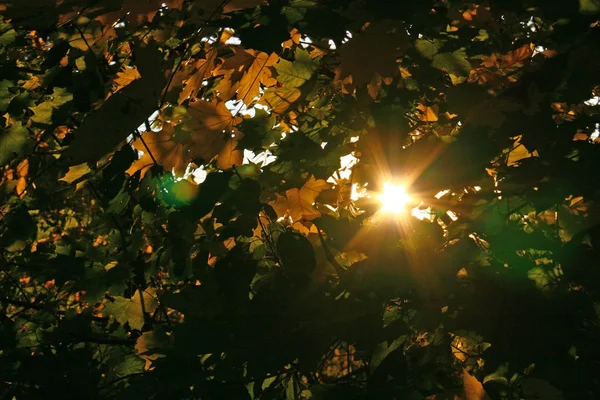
(202, 70)
(230, 156)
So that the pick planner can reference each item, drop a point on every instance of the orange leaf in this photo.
(257, 73)
(473, 388)
(428, 114)
(203, 69)
(230, 156)
(301, 200)
(126, 76)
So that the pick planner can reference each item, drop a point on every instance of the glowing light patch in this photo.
(394, 198)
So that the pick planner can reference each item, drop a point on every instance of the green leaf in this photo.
(43, 111)
(428, 48)
(295, 74)
(7, 34)
(5, 95)
(132, 310)
(14, 141)
(454, 63)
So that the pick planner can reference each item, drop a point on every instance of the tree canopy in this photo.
(200, 199)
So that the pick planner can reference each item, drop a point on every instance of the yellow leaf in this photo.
(428, 114)
(75, 172)
(301, 200)
(473, 388)
(257, 73)
(519, 152)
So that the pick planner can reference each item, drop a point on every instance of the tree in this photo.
(191, 199)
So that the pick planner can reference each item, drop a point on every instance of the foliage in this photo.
(189, 199)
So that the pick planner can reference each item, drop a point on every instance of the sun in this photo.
(394, 198)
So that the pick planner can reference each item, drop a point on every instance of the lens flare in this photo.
(394, 198)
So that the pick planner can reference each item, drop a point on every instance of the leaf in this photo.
(297, 73)
(43, 111)
(255, 75)
(202, 70)
(126, 76)
(454, 63)
(473, 388)
(130, 310)
(76, 172)
(14, 141)
(279, 99)
(519, 152)
(428, 114)
(230, 156)
(372, 52)
(428, 48)
(300, 201)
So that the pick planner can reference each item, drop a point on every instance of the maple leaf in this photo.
(126, 76)
(202, 70)
(257, 73)
(298, 203)
(172, 151)
(13, 141)
(428, 114)
(132, 310)
(295, 74)
(372, 52)
(279, 99)
(230, 156)
(203, 135)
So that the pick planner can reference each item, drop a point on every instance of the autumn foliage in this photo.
(190, 199)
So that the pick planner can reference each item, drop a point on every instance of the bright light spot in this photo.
(305, 41)
(442, 194)
(261, 159)
(594, 101)
(422, 214)
(151, 119)
(332, 45)
(394, 198)
(233, 40)
(595, 134)
(452, 215)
